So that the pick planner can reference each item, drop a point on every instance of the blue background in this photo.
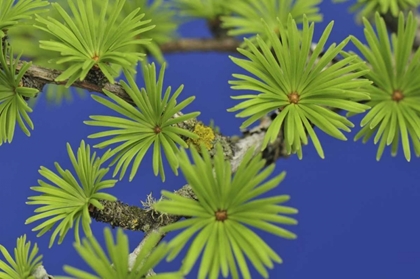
(358, 218)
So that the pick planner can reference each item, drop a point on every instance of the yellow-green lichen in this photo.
(205, 136)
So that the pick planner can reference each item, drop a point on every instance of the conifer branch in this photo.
(118, 214)
(129, 217)
(40, 76)
(37, 76)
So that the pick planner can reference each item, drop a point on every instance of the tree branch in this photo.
(132, 257)
(134, 218)
(227, 44)
(39, 76)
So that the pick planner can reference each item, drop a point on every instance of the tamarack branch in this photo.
(131, 217)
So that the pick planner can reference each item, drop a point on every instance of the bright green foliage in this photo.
(151, 122)
(22, 9)
(247, 14)
(369, 7)
(221, 217)
(116, 263)
(67, 201)
(161, 15)
(395, 92)
(208, 9)
(24, 263)
(93, 39)
(25, 38)
(300, 87)
(13, 107)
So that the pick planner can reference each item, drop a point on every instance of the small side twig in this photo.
(133, 256)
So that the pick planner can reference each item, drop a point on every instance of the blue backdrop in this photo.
(358, 218)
